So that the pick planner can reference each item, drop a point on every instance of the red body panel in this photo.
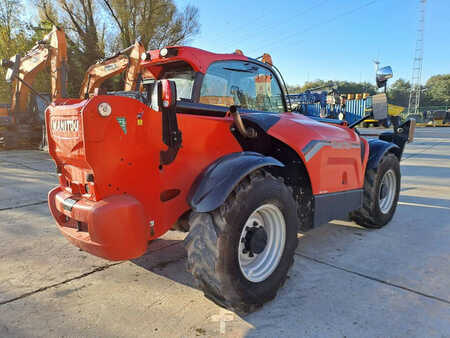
(115, 228)
(127, 164)
(335, 167)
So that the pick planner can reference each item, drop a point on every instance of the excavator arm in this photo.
(50, 51)
(20, 124)
(127, 60)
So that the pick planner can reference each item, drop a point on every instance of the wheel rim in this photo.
(387, 191)
(257, 267)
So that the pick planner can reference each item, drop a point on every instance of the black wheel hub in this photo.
(255, 240)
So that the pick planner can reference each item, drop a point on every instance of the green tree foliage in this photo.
(399, 92)
(438, 90)
(14, 39)
(343, 87)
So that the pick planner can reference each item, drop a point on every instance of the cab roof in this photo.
(199, 59)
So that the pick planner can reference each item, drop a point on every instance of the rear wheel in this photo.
(241, 252)
(381, 192)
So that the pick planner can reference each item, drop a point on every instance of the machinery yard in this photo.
(345, 281)
(160, 176)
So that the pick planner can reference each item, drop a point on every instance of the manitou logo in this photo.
(65, 125)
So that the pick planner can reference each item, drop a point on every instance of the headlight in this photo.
(145, 56)
(168, 52)
(104, 109)
(163, 52)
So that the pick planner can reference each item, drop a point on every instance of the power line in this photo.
(270, 26)
(280, 40)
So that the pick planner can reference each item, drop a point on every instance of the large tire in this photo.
(376, 211)
(214, 242)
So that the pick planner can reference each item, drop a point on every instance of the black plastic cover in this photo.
(214, 184)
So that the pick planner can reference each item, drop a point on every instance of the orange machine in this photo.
(243, 181)
(127, 59)
(23, 123)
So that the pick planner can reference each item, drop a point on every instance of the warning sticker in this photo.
(122, 123)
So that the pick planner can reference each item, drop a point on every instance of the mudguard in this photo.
(217, 181)
(378, 148)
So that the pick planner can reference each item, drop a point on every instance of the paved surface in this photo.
(346, 281)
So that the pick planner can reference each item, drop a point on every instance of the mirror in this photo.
(380, 107)
(154, 98)
(13, 67)
(164, 95)
(164, 99)
(383, 74)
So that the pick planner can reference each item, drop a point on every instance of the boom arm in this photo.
(51, 51)
(103, 70)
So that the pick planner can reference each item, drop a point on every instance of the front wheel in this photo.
(381, 192)
(241, 252)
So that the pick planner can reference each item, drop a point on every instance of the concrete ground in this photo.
(346, 281)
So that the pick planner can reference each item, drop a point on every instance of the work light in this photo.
(104, 109)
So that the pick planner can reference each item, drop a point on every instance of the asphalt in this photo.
(346, 281)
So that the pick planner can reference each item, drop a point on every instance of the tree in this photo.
(343, 87)
(399, 93)
(98, 27)
(438, 90)
(157, 22)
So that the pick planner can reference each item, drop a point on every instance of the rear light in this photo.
(104, 109)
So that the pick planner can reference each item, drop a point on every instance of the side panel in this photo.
(336, 205)
(122, 152)
(331, 153)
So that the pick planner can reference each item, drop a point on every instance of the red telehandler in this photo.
(215, 150)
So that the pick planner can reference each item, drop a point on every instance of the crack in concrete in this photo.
(44, 288)
(375, 279)
(159, 265)
(404, 158)
(28, 167)
(24, 205)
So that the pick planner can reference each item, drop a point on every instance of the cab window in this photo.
(244, 84)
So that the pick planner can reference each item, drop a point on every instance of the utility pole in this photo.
(414, 95)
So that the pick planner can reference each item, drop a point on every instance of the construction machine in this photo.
(22, 122)
(127, 60)
(216, 150)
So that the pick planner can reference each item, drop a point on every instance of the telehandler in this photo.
(22, 122)
(215, 150)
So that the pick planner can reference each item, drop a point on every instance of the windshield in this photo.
(183, 76)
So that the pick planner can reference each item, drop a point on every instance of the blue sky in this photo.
(328, 39)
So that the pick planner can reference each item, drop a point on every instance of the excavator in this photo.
(22, 122)
(127, 60)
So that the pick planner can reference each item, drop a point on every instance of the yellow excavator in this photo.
(127, 60)
(22, 122)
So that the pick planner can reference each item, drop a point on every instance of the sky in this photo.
(328, 39)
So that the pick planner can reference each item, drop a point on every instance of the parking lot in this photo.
(346, 280)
